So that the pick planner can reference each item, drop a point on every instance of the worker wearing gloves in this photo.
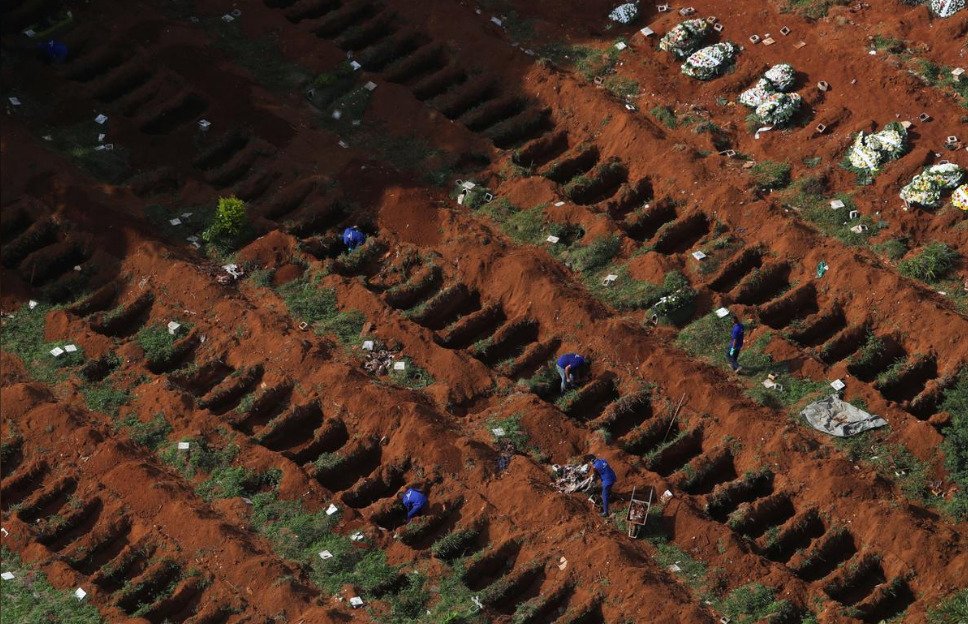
(353, 237)
(604, 472)
(414, 502)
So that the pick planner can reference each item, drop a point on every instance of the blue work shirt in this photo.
(55, 50)
(738, 334)
(414, 501)
(604, 471)
(571, 359)
(353, 237)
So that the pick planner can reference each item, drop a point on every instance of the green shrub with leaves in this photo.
(158, 345)
(233, 481)
(955, 444)
(751, 603)
(933, 263)
(105, 398)
(230, 225)
(665, 115)
(595, 255)
(952, 610)
(309, 302)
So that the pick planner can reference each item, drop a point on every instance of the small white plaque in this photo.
(552, 239)
(7, 576)
(836, 204)
(357, 537)
(355, 65)
(698, 255)
(71, 348)
(837, 385)
(722, 313)
(183, 446)
(496, 21)
(14, 100)
(175, 221)
(559, 203)
(100, 119)
(498, 432)
(79, 593)
(399, 366)
(173, 327)
(331, 509)
(57, 352)
(620, 45)
(367, 345)
(648, 32)
(325, 554)
(31, 304)
(356, 602)
(369, 86)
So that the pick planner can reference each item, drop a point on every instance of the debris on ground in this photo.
(572, 477)
(233, 272)
(839, 418)
(379, 362)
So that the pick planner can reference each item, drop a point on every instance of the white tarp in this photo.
(840, 418)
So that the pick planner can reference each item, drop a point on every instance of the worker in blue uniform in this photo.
(603, 471)
(353, 237)
(414, 501)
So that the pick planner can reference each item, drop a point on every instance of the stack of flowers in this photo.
(781, 76)
(960, 197)
(624, 13)
(946, 8)
(769, 98)
(685, 38)
(710, 62)
(870, 151)
(926, 187)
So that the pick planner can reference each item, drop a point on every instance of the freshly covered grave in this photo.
(781, 76)
(685, 38)
(778, 108)
(926, 187)
(711, 61)
(870, 152)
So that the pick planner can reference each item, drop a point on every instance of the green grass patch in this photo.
(412, 376)
(309, 302)
(594, 256)
(79, 143)
(624, 88)
(807, 195)
(751, 603)
(812, 9)
(625, 293)
(665, 115)
(199, 458)
(157, 344)
(893, 248)
(105, 398)
(931, 264)
(769, 175)
(894, 462)
(234, 481)
(692, 572)
(262, 57)
(151, 434)
(951, 610)
(955, 443)
(23, 335)
(30, 598)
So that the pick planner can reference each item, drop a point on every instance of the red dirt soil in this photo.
(70, 461)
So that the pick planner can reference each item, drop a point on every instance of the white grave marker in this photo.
(79, 593)
(559, 203)
(184, 446)
(609, 279)
(399, 366)
(837, 385)
(227, 18)
(100, 119)
(331, 509)
(31, 304)
(620, 46)
(370, 85)
(57, 352)
(367, 345)
(204, 124)
(14, 100)
(552, 239)
(175, 221)
(7, 576)
(648, 32)
(722, 313)
(71, 348)
(173, 327)
(496, 21)
(498, 432)
(698, 255)
(356, 66)
(325, 554)
(356, 602)
(836, 204)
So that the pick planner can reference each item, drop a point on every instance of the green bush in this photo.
(233, 481)
(933, 263)
(678, 301)
(308, 302)
(770, 175)
(105, 398)
(595, 255)
(751, 603)
(230, 224)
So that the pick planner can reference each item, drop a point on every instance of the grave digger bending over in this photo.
(414, 501)
(573, 369)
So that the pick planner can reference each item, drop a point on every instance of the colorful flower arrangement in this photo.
(946, 8)
(769, 99)
(960, 197)
(926, 187)
(870, 152)
(685, 38)
(711, 61)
